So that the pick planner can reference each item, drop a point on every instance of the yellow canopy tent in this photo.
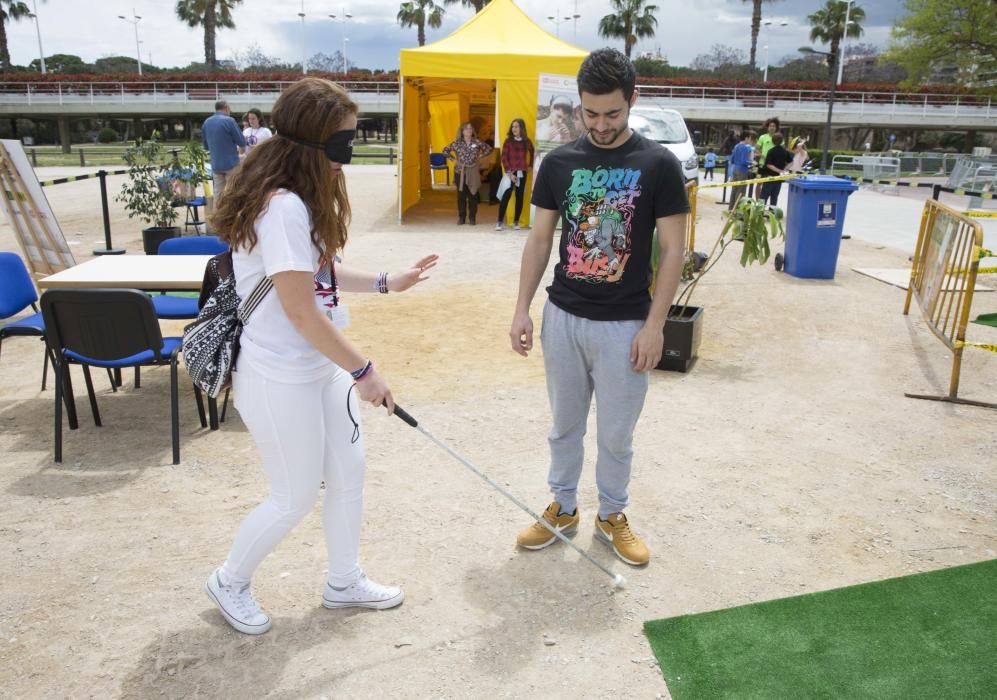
(493, 59)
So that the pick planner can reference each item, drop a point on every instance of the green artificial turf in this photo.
(987, 320)
(930, 635)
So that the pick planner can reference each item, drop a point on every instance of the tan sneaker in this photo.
(536, 536)
(617, 534)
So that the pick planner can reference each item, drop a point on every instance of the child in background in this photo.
(709, 163)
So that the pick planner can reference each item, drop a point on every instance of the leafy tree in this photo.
(210, 14)
(420, 14)
(631, 20)
(937, 34)
(827, 25)
(809, 68)
(62, 63)
(756, 25)
(329, 64)
(718, 55)
(10, 11)
(120, 64)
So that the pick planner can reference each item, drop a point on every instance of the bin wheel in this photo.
(779, 260)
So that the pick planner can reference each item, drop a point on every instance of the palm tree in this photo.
(11, 10)
(478, 5)
(756, 25)
(827, 25)
(210, 14)
(631, 19)
(420, 14)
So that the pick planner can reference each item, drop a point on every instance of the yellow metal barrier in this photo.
(942, 280)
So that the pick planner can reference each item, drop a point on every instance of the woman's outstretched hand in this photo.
(405, 279)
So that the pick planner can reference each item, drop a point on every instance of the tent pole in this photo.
(401, 142)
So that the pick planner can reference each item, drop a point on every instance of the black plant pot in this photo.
(682, 336)
(154, 235)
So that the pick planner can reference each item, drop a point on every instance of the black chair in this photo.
(112, 328)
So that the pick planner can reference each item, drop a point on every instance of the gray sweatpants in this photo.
(582, 356)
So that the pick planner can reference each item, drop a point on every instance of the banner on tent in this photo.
(559, 114)
(42, 241)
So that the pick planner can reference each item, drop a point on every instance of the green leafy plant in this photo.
(147, 193)
(750, 222)
(107, 135)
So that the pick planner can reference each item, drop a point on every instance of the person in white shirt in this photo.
(256, 131)
(298, 379)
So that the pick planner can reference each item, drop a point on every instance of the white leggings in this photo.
(304, 435)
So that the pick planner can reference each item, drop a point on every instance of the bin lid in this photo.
(824, 182)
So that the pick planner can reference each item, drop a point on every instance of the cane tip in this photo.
(619, 581)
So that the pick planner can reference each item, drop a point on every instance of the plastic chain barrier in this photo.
(893, 183)
(74, 178)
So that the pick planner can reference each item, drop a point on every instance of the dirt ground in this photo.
(787, 461)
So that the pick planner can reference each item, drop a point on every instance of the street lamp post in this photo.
(768, 23)
(830, 102)
(304, 51)
(41, 51)
(134, 20)
(343, 17)
(558, 20)
(844, 39)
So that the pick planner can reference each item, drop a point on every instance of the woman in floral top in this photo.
(467, 150)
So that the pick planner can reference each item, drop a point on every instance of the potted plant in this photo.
(751, 223)
(147, 194)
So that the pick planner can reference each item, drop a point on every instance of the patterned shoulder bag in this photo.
(211, 343)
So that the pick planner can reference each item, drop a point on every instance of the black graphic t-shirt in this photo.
(609, 200)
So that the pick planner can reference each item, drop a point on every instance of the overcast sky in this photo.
(686, 28)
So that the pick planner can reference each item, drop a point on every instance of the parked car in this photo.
(667, 127)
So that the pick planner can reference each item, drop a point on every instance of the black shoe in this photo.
(460, 221)
(472, 222)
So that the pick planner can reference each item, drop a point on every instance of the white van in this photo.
(667, 127)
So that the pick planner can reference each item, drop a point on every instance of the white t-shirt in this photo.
(254, 137)
(270, 342)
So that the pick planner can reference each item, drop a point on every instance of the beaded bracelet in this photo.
(362, 372)
(381, 283)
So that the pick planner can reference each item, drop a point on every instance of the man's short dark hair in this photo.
(777, 139)
(606, 70)
(749, 134)
(220, 105)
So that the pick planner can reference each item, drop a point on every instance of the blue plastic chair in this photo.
(174, 307)
(438, 161)
(112, 328)
(17, 293)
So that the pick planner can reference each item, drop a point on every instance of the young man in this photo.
(741, 161)
(602, 331)
(222, 138)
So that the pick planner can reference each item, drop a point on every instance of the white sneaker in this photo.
(498, 226)
(362, 593)
(237, 605)
(515, 227)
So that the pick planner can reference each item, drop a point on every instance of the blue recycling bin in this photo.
(815, 219)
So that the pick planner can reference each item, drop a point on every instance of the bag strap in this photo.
(255, 298)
